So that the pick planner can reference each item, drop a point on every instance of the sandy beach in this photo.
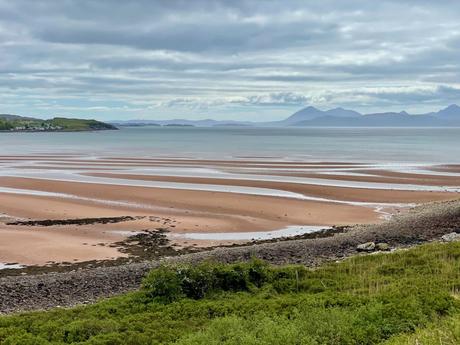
(187, 197)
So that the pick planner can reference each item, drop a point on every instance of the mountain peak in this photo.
(310, 113)
(342, 112)
(307, 113)
(453, 107)
(452, 111)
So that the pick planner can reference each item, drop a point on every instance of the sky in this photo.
(240, 59)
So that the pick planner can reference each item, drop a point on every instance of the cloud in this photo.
(410, 95)
(271, 99)
(280, 98)
(235, 58)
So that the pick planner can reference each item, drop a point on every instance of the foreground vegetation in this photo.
(22, 124)
(407, 297)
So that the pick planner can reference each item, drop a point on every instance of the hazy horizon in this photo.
(285, 116)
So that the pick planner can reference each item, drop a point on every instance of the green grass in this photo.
(444, 332)
(78, 124)
(387, 299)
(5, 125)
(58, 123)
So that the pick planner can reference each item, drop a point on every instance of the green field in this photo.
(5, 125)
(406, 297)
(56, 124)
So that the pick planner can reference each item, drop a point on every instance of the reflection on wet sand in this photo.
(198, 202)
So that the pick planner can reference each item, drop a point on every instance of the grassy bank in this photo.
(79, 124)
(399, 298)
(26, 124)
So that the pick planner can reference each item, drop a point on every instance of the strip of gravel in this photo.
(32, 292)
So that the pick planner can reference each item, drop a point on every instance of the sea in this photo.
(393, 145)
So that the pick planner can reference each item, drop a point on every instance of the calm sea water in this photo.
(414, 145)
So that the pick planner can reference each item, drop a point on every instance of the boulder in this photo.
(453, 236)
(382, 246)
(366, 247)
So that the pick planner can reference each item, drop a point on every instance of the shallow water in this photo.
(422, 145)
(4, 266)
(294, 230)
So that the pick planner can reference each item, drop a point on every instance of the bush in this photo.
(163, 284)
(169, 283)
(25, 339)
(442, 332)
(82, 330)
(198, 281)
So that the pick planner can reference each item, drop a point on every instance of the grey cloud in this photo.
(241, 53)
(228, 36)
(400, 97)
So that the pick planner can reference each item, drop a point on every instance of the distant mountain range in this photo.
(337, 117)
(307, 117)
(197, 123)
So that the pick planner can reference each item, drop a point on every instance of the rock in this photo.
(382, 246)
(366, 247)
(453, 236)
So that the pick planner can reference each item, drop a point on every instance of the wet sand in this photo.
(380, 176)
(328, 192)
(193, 211)
(446, 168)
(30, 191)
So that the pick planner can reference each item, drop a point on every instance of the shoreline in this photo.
(421, 224)
(62, 131)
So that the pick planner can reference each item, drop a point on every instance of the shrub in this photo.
(163, 284)
(169, 283)
(197, 281)
(25, 339)
(82, 330)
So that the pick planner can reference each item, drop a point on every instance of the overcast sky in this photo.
(254, 60)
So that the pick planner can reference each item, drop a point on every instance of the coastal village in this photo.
(36, 128)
